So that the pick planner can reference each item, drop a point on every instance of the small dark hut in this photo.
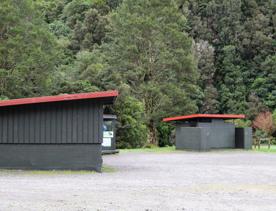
(53, 132)
(207, 131)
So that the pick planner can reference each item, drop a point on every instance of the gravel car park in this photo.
(216, 180)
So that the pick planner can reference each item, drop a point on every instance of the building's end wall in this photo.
(243, 138)
(51, 156)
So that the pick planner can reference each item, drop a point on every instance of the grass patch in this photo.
(44, 172)
(264, 148)
(108, 169)
(105, 169)
(152, 149)
(58, 172)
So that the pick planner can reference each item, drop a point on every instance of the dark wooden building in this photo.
(208, 131)
(53, 132)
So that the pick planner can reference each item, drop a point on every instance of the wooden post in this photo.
(259, 143)
(269, 141)
(254, 142)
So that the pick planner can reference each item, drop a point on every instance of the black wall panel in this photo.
(51, 156)
(244, 138)
(73, 122)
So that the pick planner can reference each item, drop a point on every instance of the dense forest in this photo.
(166, 57)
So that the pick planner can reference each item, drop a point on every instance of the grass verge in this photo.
(108, 169)
(105, 169)
(152, 149)
(264, 148)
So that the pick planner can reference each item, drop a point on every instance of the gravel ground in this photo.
(220, 180)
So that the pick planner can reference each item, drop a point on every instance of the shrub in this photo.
(131, 130)
(164, 134)
(264, 122)
(242, 123)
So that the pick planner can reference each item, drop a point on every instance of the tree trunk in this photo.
(152, 134)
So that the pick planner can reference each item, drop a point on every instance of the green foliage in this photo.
(151, 149)
(59, 29)
(264, 148)
(242, 33)
(205, 55)
(165, 131)
(274, 121)
(28, 51)
(232, 89)
(113, 4)
(265, 84)
(87, 20)
(131, 131)
(50, 9)
(242, 123)
(170, 57)
(83, 75)
(274, 117)
(255, 106)
(3, 98)
(261, 134)
(147, 50)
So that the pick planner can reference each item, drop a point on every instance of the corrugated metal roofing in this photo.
(59, 98)
(209, 116)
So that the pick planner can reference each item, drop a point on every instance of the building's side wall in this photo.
(78, 122)
(51, 156)
(222, 134)
(192, 138)
(243, 138)
(206, 135)
(61, 135)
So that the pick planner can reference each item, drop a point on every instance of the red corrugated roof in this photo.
(210, 116)
(58, 98)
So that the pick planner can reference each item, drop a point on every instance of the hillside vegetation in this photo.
(166, 57)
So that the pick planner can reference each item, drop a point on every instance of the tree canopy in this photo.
(28, 51)
(170, 57)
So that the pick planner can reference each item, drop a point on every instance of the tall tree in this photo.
(231, 87)
(248, 26)
(147, 49)
(147, 55)
(88, 22)
(207, 70)
(28, 52)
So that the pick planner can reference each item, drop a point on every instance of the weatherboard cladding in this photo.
(67, 122)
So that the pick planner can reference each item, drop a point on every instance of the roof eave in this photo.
(105, 95)
(207, 116)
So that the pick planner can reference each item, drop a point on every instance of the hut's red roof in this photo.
(209, 116)
(59, 98)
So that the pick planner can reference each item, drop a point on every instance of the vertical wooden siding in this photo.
(52, 123)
